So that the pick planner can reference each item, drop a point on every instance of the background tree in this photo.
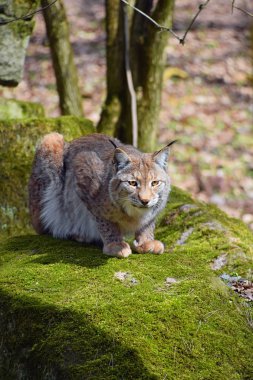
(146, 47)
(62, 56)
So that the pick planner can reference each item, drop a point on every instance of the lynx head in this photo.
(141, 182)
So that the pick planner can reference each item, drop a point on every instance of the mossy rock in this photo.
(14, 39)
(18, 139)
(70, 312)
(17, 109)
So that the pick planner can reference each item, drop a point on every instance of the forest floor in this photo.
(207, 101)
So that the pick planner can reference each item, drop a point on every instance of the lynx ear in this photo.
(161, 157)
(121, 158)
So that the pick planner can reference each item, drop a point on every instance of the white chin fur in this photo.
(135, 211)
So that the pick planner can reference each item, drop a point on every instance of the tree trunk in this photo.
(115, 68)
(147, 45)
(252, 45)
(62, 56)
(148, 61)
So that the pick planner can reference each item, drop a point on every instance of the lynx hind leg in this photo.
(50, 151)
(47, 165)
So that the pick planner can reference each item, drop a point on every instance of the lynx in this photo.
(97, 190)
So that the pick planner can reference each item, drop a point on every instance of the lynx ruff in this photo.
(96, 190)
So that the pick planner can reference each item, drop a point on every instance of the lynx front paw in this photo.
(149, 246)
(117, 249)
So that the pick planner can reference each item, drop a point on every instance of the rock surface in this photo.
(70, 312)
(17, 109)
(14, 38)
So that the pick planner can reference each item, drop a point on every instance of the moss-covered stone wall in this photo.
(18, 139)
(18, 109)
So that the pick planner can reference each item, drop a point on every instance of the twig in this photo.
(161, 27)
(240, 9)
(165, 28)
(243, 10)
(232, 6)
(201, 7)
(28, 15)
(130, 81)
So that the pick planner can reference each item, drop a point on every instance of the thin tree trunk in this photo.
(147, 63)
(252, 45)
(147, 47)
(62, 56)
(115, 77)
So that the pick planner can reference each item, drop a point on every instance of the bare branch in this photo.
(201, 7)
(29, 15)
(243, 11)
(161, 27)
(165, 28)
(183, 38)
(130, 82)
(232, 6)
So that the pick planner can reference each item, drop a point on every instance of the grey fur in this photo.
(93, 190)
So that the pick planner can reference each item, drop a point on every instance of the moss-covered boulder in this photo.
(14, 38)
(18, 139)
(18, 109)
(69, 312)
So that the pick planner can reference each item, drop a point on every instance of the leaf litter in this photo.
(240, 285)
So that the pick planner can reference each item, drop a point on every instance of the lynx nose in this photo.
(144, 202)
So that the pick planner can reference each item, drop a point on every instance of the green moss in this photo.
(16, 109)
(22, 30)
(14, 38)
(18, 139)
(65, 313)
(109, 117)
(19, 8)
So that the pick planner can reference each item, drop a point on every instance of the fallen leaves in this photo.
(240, 285)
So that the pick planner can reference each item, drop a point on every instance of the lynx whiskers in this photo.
(96, 190)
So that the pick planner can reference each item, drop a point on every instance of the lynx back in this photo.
(98, 190)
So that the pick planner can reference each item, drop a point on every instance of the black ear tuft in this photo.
(161, 157)
(113, 143)
(171, 143)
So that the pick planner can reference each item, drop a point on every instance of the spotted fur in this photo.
(97, 190)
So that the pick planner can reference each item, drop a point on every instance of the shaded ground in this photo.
(207, 105)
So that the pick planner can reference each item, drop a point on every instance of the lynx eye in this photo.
(133, 183)
(155, 183)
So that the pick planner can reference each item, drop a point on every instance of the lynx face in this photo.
(140, 185)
